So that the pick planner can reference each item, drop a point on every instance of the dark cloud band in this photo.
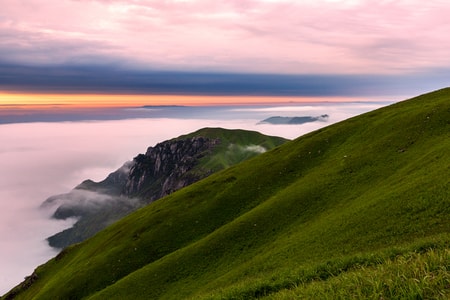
(106, 79)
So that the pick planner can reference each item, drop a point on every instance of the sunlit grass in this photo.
(409, 276)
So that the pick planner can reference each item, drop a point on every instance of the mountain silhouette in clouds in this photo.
(293, 120)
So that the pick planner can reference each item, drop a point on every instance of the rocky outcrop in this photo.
(111, 185)
(161, 170)
(165, 168)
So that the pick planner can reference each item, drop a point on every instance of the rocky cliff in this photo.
(163, 169)
(166, 167)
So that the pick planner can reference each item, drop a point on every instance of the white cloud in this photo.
(338, 36)
(232, 148)
(255, 148)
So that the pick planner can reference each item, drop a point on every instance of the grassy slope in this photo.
(353, 194)
(418, 275)
(234, 146)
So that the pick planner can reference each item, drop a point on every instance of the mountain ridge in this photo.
(344, 198)
(161, 170)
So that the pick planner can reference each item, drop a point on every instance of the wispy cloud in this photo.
(255, 36)
(224, 48)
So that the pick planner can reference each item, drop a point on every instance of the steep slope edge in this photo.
(163, 169)
(375, 185)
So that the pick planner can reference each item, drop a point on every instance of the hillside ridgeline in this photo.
(359, 209)
(163, 169)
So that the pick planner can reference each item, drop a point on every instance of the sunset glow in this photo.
(61, 101)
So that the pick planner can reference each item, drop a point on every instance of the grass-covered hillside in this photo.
(359, 209)
(234, 146)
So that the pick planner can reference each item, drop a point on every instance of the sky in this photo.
(259, 48)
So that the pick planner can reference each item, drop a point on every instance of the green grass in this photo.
(349, 202)
(408, 276)
(420, 273)
(235, 146)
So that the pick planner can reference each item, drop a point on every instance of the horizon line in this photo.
(46, 100)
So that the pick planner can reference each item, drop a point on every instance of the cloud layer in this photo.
(322, 36)
(117, 80)
(207, 47)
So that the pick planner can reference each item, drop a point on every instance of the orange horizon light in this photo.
(61, 101)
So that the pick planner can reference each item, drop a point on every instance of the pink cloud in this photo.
(249, 35)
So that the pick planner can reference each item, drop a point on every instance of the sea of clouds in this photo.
(41, 159)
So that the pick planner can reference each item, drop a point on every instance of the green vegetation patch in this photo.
(235, 146)
(410, 276)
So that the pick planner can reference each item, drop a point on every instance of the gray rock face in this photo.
(162, 170)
